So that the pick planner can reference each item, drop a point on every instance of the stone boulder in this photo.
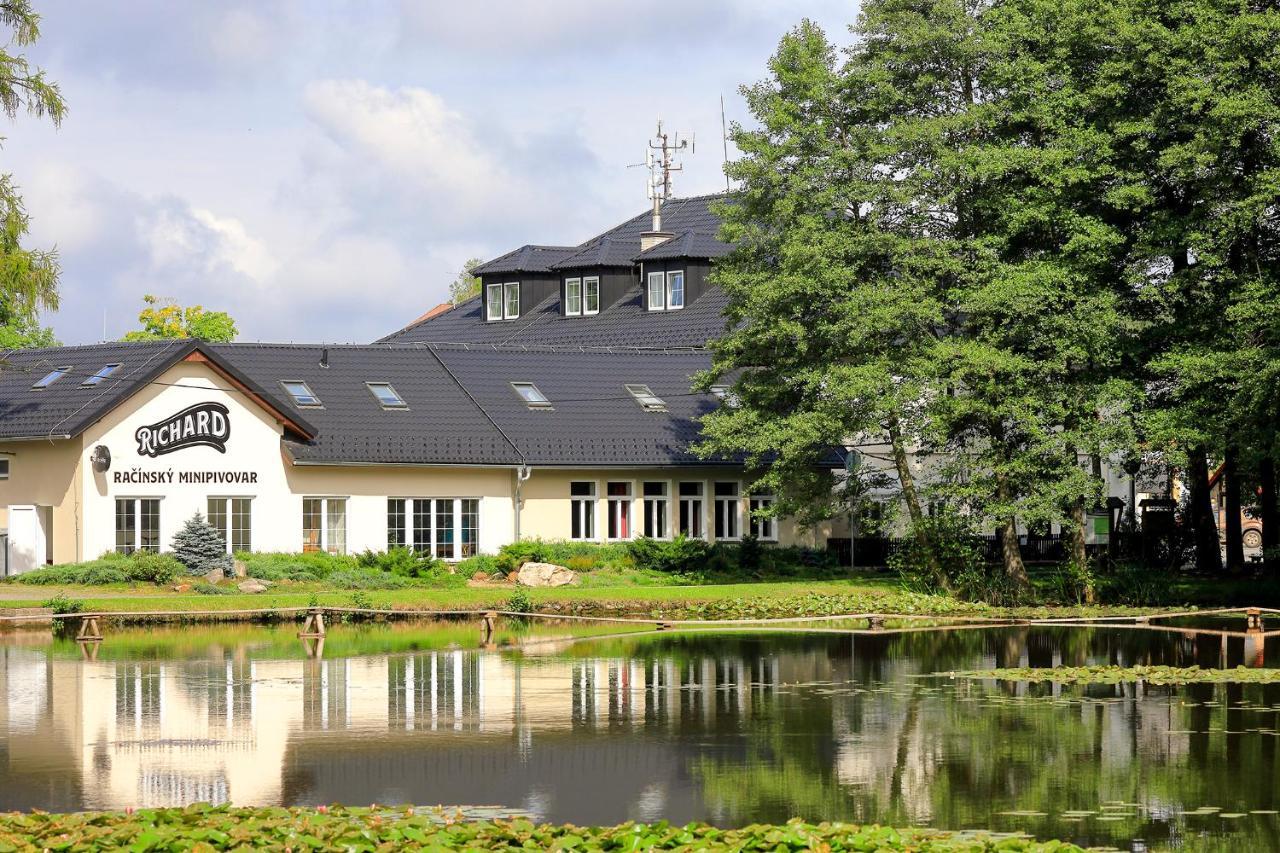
(239, 569)
(253, 585)
(544, 574)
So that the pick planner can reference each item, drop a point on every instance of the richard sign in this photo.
(201, 425)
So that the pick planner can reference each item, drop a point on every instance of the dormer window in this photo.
(666, 290)
(103, 373)
(648, 400)
(572, 297)
(502, 301)
(591, 295)
(51, 377)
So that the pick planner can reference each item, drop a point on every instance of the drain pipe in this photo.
(522, 473)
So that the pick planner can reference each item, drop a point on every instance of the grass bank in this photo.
(203, 827)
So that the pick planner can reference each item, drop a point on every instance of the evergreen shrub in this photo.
(201, 548)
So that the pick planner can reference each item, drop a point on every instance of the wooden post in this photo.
(313, 625)
(876, 623)
(1253, 617)
(663, 626)
(90, 631)
(313, 646)
(490, 620)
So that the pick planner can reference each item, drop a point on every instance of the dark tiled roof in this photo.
(67, 406)
(594, 420)
(625, 323)
(526, 259)
(691, 244)
(441, 426)
(606, 252)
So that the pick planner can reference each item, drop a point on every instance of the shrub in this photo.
(96, 573)
(520, 602)
(206, 588)
(365, 579)
(962, 569)
(61, 603)
(679, 555)
(152, 568)
(400, 562)
(201, 548)
(479, 567)
(581, 563)
(750, 555)
(516, 554)
(1135, 584)
(308, 566)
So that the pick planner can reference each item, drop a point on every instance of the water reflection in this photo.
(731, 728)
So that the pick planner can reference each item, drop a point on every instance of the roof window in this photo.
(648, 401)
(386, 396)
(532, 397)
(51, 377)
(103, 373)
(301, 394)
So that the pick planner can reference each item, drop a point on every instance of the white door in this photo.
(28, 538)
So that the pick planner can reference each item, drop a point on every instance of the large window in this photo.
(675, 290)
(763, 528)
(656, 503)
(691, 510)
(324, 525)
(233, 518)
(657, 291)
(619, 510)
(591, 295)
(137, 525)
(582, 505)
(448, 528)
(573, 296)
(493, 302)
(728, 509)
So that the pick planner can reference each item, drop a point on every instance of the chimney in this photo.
(656, 236)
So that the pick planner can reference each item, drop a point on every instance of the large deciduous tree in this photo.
(165, 318)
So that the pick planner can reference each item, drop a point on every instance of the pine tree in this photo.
(200, 547)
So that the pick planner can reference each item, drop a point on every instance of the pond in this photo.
(728, 727)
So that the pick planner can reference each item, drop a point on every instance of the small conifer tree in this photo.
(200, 547)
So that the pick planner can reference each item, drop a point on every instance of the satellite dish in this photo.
(101, 458)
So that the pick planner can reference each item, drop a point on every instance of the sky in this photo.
(322, 170)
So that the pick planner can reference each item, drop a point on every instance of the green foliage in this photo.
(520, 601)
(62, 603)
(936, 563)
(1127, 674)
(200, 547)
(480, 566)
(138, 567)
(307, 566)
(401, 562)
(25, 333)
(206, 588)
(366, 579)
(153, 568)
(1134, 584)
(676, 556)
(514, 555)
(467, 284)
(164, 319)
(1074, 582)
(368, 829)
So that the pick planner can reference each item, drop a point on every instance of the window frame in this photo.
(727, 511)
(644, 396)
(461, 542)
(618, 510)
(582, 511)
(229, 513)
(101, 374)
(399, 406)
(661, 277)
(318, 404)
(587, 290)
(136, 532)
(544, 403)
(489, 303)
(695, 500)
(571, 284)
(764, 529)
(671, 276)
(5, 465)
(655, 515)
(325, 539)
(508, 288)
(51, 377)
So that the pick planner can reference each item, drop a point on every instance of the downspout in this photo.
(522, 473)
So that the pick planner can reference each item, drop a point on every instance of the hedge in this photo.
(204, 827)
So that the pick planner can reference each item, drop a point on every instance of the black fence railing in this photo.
(873, 552)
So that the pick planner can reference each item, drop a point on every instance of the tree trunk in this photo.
(1079, 553)
(1009, 550)
(1208, 551)
(907, 481)
(1270, 515)
(1231, 505)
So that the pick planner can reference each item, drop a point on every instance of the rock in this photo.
(214, 575)
(544, 574)
(253, 585)
(239, 569)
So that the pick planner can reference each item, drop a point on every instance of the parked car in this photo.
(1251, 527)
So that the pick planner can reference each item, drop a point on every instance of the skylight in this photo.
(531, 395)
(301, 393)
(648, 401)
(52, 377)
(103, 373)
(386, 395)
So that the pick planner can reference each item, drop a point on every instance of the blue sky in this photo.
(321, 170)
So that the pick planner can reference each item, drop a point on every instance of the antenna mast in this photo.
(661, 162)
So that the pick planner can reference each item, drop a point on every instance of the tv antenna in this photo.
(659, 159)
